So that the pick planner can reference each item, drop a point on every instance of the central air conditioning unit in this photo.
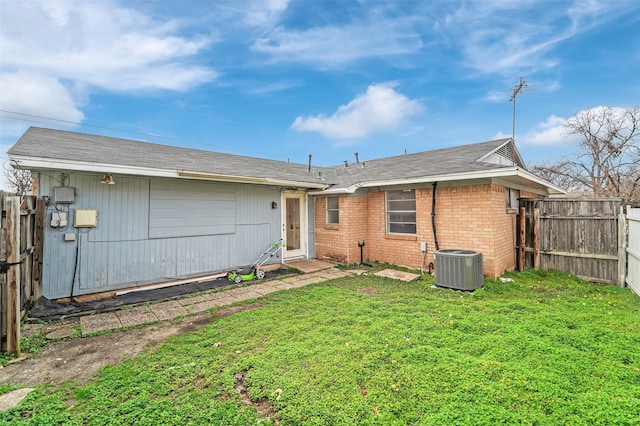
(459, 269)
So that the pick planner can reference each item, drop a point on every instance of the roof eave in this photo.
(70, 165)
(484, 174)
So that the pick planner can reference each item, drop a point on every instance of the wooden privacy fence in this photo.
(633, 250)
(20, 241)
(582, 236)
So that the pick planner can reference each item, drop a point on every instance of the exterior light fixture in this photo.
(108, 179)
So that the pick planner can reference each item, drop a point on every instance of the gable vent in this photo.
(503, 156)
(506, 152)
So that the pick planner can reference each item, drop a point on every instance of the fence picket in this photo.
(633, 250)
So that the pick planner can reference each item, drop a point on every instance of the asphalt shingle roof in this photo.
(80, 147)
(85, 148)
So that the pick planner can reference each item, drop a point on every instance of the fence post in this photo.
(12, 206)
(622, 248)
(536, 238)
(38, 242)
(522, 238)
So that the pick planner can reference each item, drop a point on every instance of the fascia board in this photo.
(37, 163)
(530, 176)
(485, 174)
(247, 179)
(508, 171)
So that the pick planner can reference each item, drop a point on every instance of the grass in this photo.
(546, 349)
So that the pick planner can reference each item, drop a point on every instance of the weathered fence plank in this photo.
(28, 280)
(38, 252)
(12, 206)
(576, 235)
(633, 251)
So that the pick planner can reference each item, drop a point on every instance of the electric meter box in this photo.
(64, 195)
(85, 218)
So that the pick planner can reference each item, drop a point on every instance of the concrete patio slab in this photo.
(99, 322)
(203, 306)
(13, 398)
(397, 275)
(136, 316)
(168, 310)
(309, 265)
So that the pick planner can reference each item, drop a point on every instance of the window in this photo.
(401, 212)
(333, 212)
(512, 196)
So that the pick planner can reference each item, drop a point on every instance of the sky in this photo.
(283, 79)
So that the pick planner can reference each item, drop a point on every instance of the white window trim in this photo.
(386, 204)
(335, 210)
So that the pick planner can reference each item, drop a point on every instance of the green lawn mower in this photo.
(248, 273)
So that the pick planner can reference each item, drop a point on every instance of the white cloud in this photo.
(100, 44)
(497, 96)
(380, 108)
(547, 133)
(552, 131)
(515, 37)
(264, 12)
(332, 46)
(36, 95)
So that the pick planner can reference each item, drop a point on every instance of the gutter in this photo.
(69, 165)
(485, 174)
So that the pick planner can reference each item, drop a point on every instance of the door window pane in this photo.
(293, 223)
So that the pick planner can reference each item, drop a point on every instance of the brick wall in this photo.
(468, 217)
(339, 243)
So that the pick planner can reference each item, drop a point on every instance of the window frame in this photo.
(389, 212)
(335, 210)
(512, 197)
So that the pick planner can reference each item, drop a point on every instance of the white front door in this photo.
(294, 226)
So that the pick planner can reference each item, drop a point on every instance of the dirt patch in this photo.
(79, 358)
(369, 291)
(196, 323)
(230, 310)
(262, 406)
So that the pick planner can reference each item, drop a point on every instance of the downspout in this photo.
(433, 215)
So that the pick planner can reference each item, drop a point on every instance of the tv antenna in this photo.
(514, 94)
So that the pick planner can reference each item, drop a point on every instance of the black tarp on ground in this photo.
(47, 309)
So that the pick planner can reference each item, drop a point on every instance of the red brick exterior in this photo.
(468, 217)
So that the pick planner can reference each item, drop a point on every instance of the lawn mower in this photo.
(248, 273)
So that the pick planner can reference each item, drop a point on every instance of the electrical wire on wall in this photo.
(76, 265)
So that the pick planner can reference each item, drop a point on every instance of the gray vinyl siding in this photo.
(122, 251)
(185, 209)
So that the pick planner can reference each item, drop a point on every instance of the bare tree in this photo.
(19, 180)
(608, 164)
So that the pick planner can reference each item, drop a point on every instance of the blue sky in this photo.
(283, 79)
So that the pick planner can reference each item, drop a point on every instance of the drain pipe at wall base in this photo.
(433, 215)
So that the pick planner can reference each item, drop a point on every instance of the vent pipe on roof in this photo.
(346, 163)
(357, 159)
(309, 168)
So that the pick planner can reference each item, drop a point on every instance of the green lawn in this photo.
(546, 349)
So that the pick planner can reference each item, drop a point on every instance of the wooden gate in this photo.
(580, 236)
(21, 239)
(633, 250)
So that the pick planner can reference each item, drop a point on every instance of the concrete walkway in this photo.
(127, 317)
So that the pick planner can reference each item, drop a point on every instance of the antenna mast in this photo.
(516, 91)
